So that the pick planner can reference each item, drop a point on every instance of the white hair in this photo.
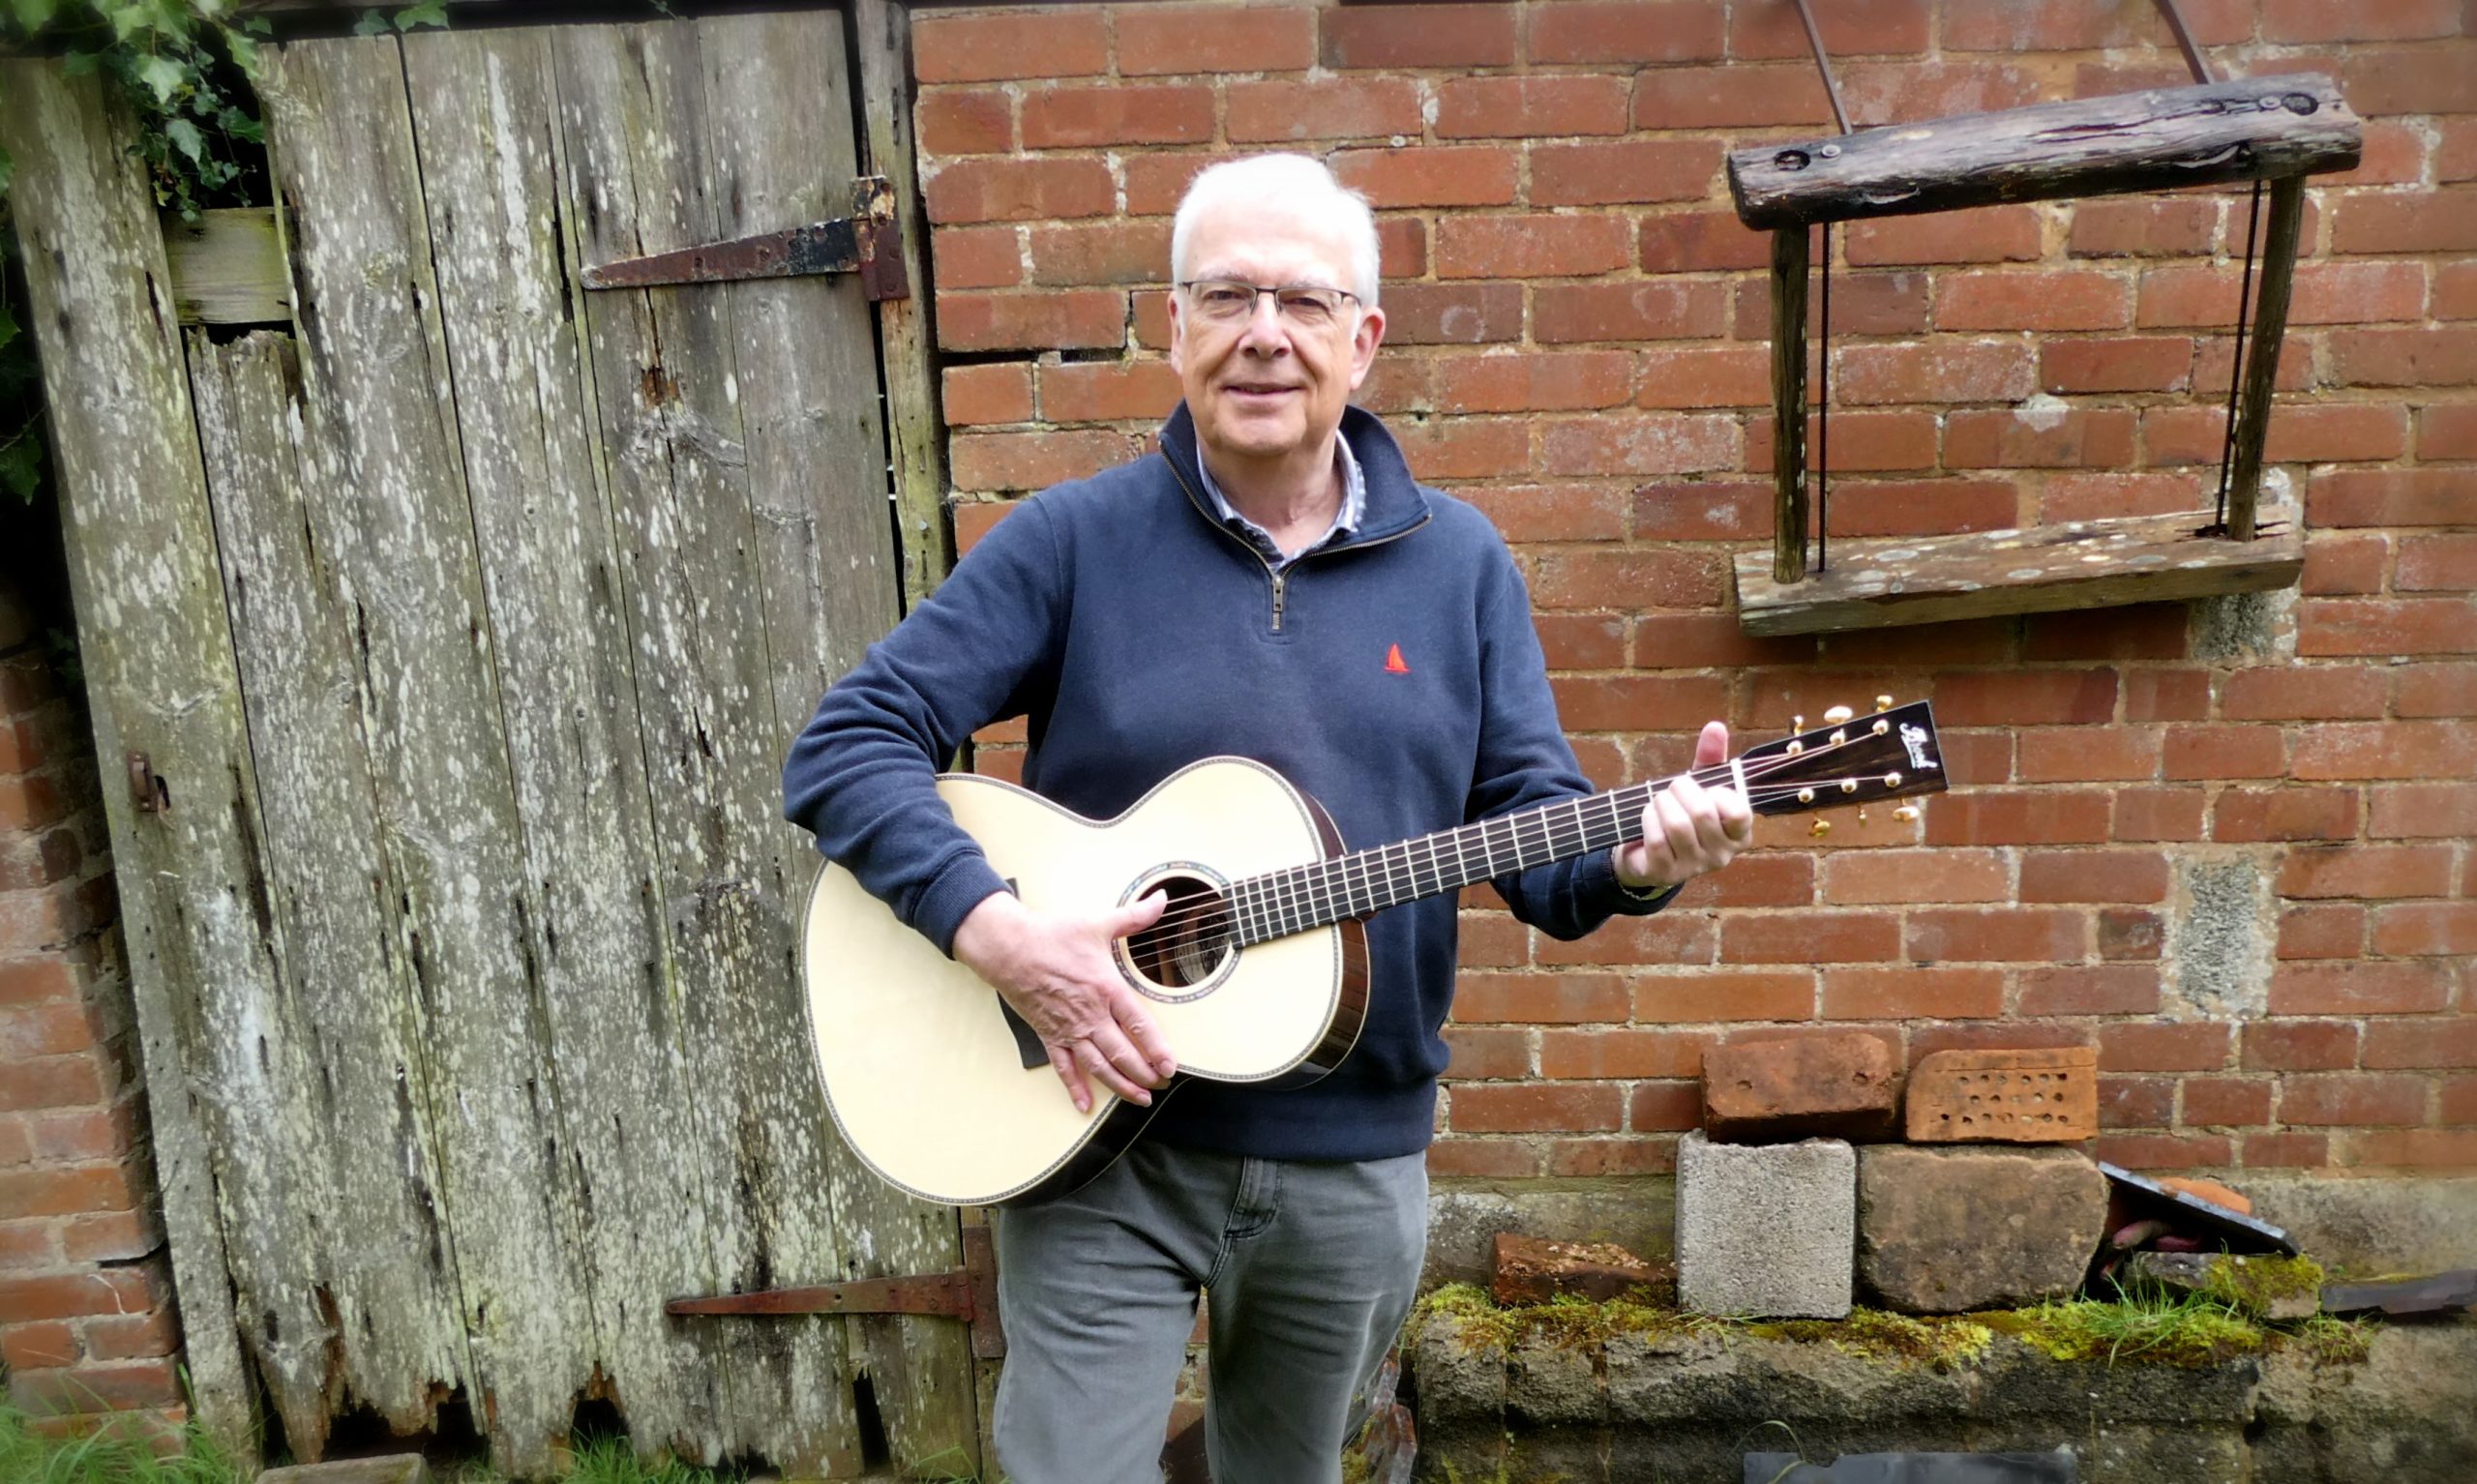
(1294, 181)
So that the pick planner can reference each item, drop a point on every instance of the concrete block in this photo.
(1945, 1230)
(1830, 1087)
(1766, 1230)
(2049, 1095)
(392, 1469)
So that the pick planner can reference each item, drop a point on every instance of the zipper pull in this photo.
(1280, 582)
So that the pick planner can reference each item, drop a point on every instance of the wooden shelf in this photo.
(1875, 584)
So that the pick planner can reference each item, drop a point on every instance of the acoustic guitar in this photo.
(1257, 969)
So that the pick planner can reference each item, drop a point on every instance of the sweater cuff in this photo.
(968, 882)
(1625, 900)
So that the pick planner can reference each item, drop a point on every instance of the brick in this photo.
(1641, 443)
(2343, 564)
(1638, 703)
(133, 1336)
(1984, 234)
(1108, 391)
(2002, 935)
(1938, 371)
(2348, 626)
(2403, 357)
(2248, 815)
(2441, 221)
(1117, 113)
(1910, 991)
(1627, 31)
(2143, 631)
(2340, 750)
(1532, 1107)
(2137, 1101)
(1705, 376)
(1465, 447)
(1032, 460)
(1839, 1087)
(2434, 690)
(2300, 1046)
(978, 257)
(1094, 318)
(964, 121)
(1663, 1107)
(1563, 513)
(2129, 934)
(51, 1081)
(1916, 875)
(2427, 929)
(2407, 1045)
(2094, 876)
(2305, 1151)
(1453, 314)
(1623, 1053)
(1708, 995)
(1431, 175)
(988, 393)
(1863, 302)
(113, 1236)
(2459, 1100)
(1634, 170)
(2138, 1047)
(1536, 246)
(2176, 228)
(2101, 496)
(2299, 435)
(1155, 183)
(2447, 431)
(2421, 1147)
(1415, 36)
(2312, 21)
(1770, 878)
(47, 1345)
(2222, 753)
(2215, 363)
(2324, 293)
(2091, 989)
(125, 1386)
(1867, 27)
(1810, 938)
(1549, 998)
(1020, 189)
(1051, 43)
(1985, 817)
(68, 1192)
(2367, 871)
(2322, 930)
(1537, 381)
(2042, 1096)
(1490, 1158)
(2301, 692)
(2165, 694)
(1355, 108)
(2049, 438)
(1635, 578)
(2025, 697)
(2226, 1102)
(2116, 363)
(1534, 1270)
(75, 1295)
(1733, 97)
(2352, 1098)
(2034, 300)
(1530, 106)
(1155, 40)
(2456, 292)
(1599, 1157)
(2422, 810)
(2359, 987)
(2392, 497)
(2069, 27)
(1889, 443)
(1700, 241)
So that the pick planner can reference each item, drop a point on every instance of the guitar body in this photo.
(924, 1072)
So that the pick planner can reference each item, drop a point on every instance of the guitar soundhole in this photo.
(1191, 943)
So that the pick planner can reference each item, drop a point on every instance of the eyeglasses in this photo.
(1227, 301)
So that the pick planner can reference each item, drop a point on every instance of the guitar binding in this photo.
(1192, 949)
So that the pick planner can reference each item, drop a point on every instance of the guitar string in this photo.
(1179, 914)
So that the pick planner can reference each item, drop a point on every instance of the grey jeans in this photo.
(1311, 1268)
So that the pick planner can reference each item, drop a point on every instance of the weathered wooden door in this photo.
(465, 640)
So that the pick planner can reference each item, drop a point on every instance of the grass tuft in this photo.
(110, 1455)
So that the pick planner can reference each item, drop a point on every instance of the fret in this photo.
(1436, 866)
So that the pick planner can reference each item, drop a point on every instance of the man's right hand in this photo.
(1058, 973)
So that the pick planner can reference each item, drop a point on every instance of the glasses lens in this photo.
(1309, 306)
(1221, 299)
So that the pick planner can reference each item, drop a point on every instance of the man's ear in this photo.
(1369, 333)
(1178, 334)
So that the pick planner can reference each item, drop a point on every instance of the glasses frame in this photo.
(1259, 290)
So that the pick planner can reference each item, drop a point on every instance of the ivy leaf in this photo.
(427, 13)
(78, 64)
(245, 53)
(160, 76)
(370, 23)
(258, 25)
(8, 171)
(33, 14)
(22, 465)
(185, 135)
(7, 326)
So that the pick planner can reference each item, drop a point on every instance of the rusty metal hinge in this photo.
(969, 1292)
(868, 242)
(147, 790)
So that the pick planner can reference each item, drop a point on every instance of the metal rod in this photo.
(1789, 404)
(1823, 64)
(2261, 369)
(2236, 355)
(1823, 410)
(2184, 40)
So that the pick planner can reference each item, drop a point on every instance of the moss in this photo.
(2328, 1341)
(2192, 1331)
(2253, 1284)
(1945, 1342)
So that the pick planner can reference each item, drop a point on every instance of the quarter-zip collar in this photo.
(1395, 507)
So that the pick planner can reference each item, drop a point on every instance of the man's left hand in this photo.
(1689, 829)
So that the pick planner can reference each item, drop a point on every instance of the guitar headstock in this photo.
(1891, 754)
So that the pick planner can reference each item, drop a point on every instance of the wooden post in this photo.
(2262, 364)
(1789, 403)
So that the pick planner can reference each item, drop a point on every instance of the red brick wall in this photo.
(87, 1318)
(1577, 345)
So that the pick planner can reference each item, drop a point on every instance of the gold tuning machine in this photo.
(1908, 814)
(1883, 704)
(1820, 828)
(1796, 724)
(1838, 715)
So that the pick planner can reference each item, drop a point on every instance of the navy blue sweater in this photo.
(1138, 634)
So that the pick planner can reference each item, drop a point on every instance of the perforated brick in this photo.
(2043, 1096)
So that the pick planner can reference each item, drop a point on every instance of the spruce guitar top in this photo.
(1257, 968)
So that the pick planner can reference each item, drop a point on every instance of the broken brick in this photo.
(1830, 1087)
(1533, 1269)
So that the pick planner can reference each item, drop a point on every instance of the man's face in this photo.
(1265, 387)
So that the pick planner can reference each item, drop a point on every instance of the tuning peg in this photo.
(1820, 828)
(1796, 724)
(1805, 795)
(1862, 814)
(1908, 814)
(1838, 715)
(1883, 704)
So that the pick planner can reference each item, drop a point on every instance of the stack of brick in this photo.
(87, 1325)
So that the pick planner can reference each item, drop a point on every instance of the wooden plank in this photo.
(328, 1126)
(156, 656)
(391, 518)
(638, 175)
(1789, 252)
(2262, 363)
(883, 31)
(2245, 129)
(227, 267)
(486, 119)
(778, 114)
(2078, 564)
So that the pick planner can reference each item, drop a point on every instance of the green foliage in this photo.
(107, 1457)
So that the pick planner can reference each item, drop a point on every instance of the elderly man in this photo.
(1271, 583)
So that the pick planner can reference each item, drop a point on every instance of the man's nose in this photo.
(1266, 333)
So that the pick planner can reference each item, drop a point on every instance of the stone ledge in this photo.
(1676, 1398)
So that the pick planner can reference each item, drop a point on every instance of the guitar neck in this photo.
(1280, 903)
